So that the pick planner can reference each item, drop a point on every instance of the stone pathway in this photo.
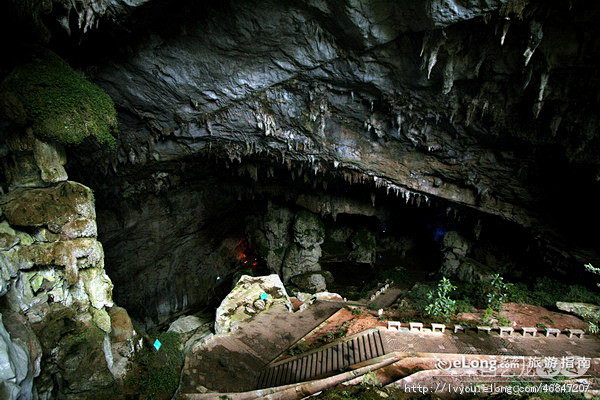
(239, 361)
(388, 297)
(232, 363)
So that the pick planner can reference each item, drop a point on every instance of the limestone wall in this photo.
(55, 296)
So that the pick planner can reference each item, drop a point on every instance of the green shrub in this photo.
(441, 305)
(593, 270)
(417, 296)
(354, 310)
(370, 379)
(464, 306)
(489, 314)
(504, 321)
(298, 349)
(57, 102)
(496, 292)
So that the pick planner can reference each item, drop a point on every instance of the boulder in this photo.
(185, 324)
(589, 312)
(124, 342)
(122, 328)
(313, 281)
(455, 248)
(75, 347)
(193, 329)
(238, 306)
(456, 243)
(35, 163)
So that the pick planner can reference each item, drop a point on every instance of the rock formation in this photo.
(249, 297)
(191, 137)
(56, 326)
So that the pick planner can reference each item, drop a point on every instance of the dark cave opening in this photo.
(188, 226)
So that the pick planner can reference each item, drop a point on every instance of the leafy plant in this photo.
(355, 311)
(489, 314)
(593, 270)
(370, 379)
(464, 306)
(441, 305)
(496, 292)
(502, 321)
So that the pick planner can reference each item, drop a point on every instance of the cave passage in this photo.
(181, 246)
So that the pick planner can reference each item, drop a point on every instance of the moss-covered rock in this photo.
(67, 208)
(57, 102)
(246, 300)
(76, 348)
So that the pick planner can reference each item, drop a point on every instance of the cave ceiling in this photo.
(489, 105)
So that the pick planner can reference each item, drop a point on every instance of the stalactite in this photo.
(535, 38)
(449, 75)
(537, 107)
(505, 28)
(430, 52)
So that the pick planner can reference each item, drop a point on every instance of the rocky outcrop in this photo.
(56, 292)
(192, 329)
(313, 281)
(20, 355)
(589, 312)
(272, 234)
(249, 297)
(156, 241)
(455, 262)
(291, 244)
(364, 247)
(303, 255)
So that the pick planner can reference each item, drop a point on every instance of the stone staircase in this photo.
(325, 361)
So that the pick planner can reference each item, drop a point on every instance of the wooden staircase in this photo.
(324, 361)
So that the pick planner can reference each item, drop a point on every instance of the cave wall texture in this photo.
(488, 107)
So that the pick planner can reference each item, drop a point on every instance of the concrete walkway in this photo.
(489, 344)
(232, 363)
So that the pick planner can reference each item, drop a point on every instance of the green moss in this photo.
(59, 103)
(156, 375)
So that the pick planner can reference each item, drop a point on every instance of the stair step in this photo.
(326, 361)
